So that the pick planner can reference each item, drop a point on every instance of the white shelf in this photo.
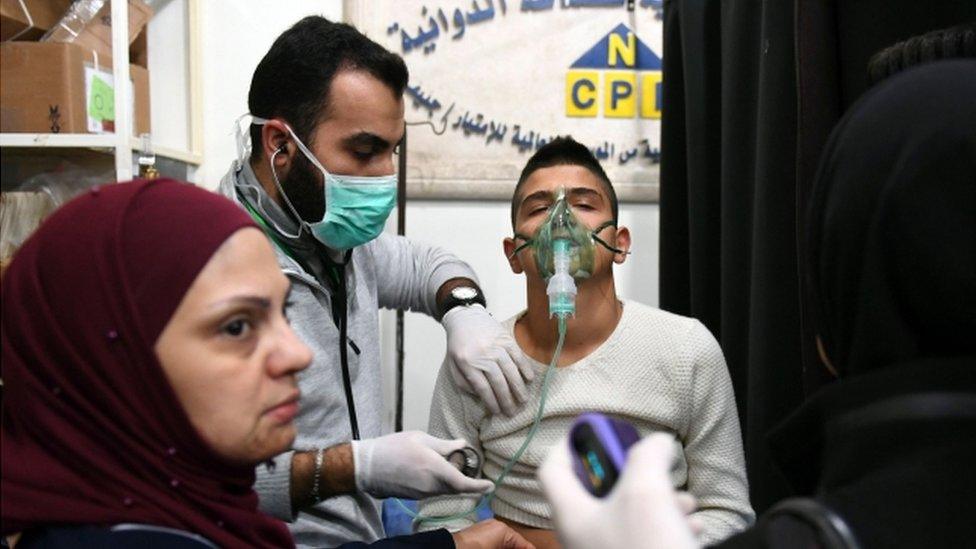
(116, 144)
(63, 140)
(90, 140)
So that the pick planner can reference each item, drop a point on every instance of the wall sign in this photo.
(491, 81)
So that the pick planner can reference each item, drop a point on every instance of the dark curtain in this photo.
(728, 217)
(751, 90)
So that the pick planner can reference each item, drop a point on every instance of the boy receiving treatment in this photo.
(658, 371)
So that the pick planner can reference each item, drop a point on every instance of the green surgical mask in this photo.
(562, 223)
(356, 207)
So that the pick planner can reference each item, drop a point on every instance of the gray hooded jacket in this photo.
(392, 272)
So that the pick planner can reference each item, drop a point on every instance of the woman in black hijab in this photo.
(888, 451)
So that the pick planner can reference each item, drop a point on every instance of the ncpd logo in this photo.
(619, 77)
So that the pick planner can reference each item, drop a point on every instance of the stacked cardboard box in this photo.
(44, 88)
(67, 86)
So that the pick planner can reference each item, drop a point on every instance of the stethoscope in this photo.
(339, 304)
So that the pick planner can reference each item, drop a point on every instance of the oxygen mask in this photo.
(564, 252)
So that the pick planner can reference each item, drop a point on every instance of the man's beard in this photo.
(304, 190)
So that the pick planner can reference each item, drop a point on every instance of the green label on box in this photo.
(101, 103)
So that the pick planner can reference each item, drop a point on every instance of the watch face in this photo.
(464, 292)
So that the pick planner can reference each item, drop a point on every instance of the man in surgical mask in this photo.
(326, 114)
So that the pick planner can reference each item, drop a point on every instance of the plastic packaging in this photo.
(61, 186)
(147, 159)
(20, 215)
(78, 16)
(24, 208)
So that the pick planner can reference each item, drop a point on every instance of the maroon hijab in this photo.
(93, 434)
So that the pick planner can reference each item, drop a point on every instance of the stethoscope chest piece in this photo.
(467, 461)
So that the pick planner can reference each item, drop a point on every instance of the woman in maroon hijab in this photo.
(148, 368)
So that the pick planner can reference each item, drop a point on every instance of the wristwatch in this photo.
(462, 295)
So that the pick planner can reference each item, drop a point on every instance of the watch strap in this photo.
(451, 301)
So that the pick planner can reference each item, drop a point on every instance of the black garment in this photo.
(84, 537)
(834, 41)
(751, 91)
(148, 537)
(891, 265)
(434, 539)
(728, 219)
(890, 452)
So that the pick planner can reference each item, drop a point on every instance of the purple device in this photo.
(599, 444)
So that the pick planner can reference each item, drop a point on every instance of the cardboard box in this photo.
(97, 33)
(44, 14)
(139, 50)
(52, 87)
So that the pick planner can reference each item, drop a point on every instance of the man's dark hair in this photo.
(951, 43)
(564, 151)
(292, 80)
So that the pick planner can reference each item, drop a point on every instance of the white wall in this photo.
(474, 231)
(167, 38)
(235, 36)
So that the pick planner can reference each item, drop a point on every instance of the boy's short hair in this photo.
(564, 151)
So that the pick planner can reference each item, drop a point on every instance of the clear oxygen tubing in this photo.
(562, 305)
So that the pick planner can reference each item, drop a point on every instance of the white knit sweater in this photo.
(658, 371)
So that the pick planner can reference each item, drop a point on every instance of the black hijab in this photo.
(891, 267)
(892, 224)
